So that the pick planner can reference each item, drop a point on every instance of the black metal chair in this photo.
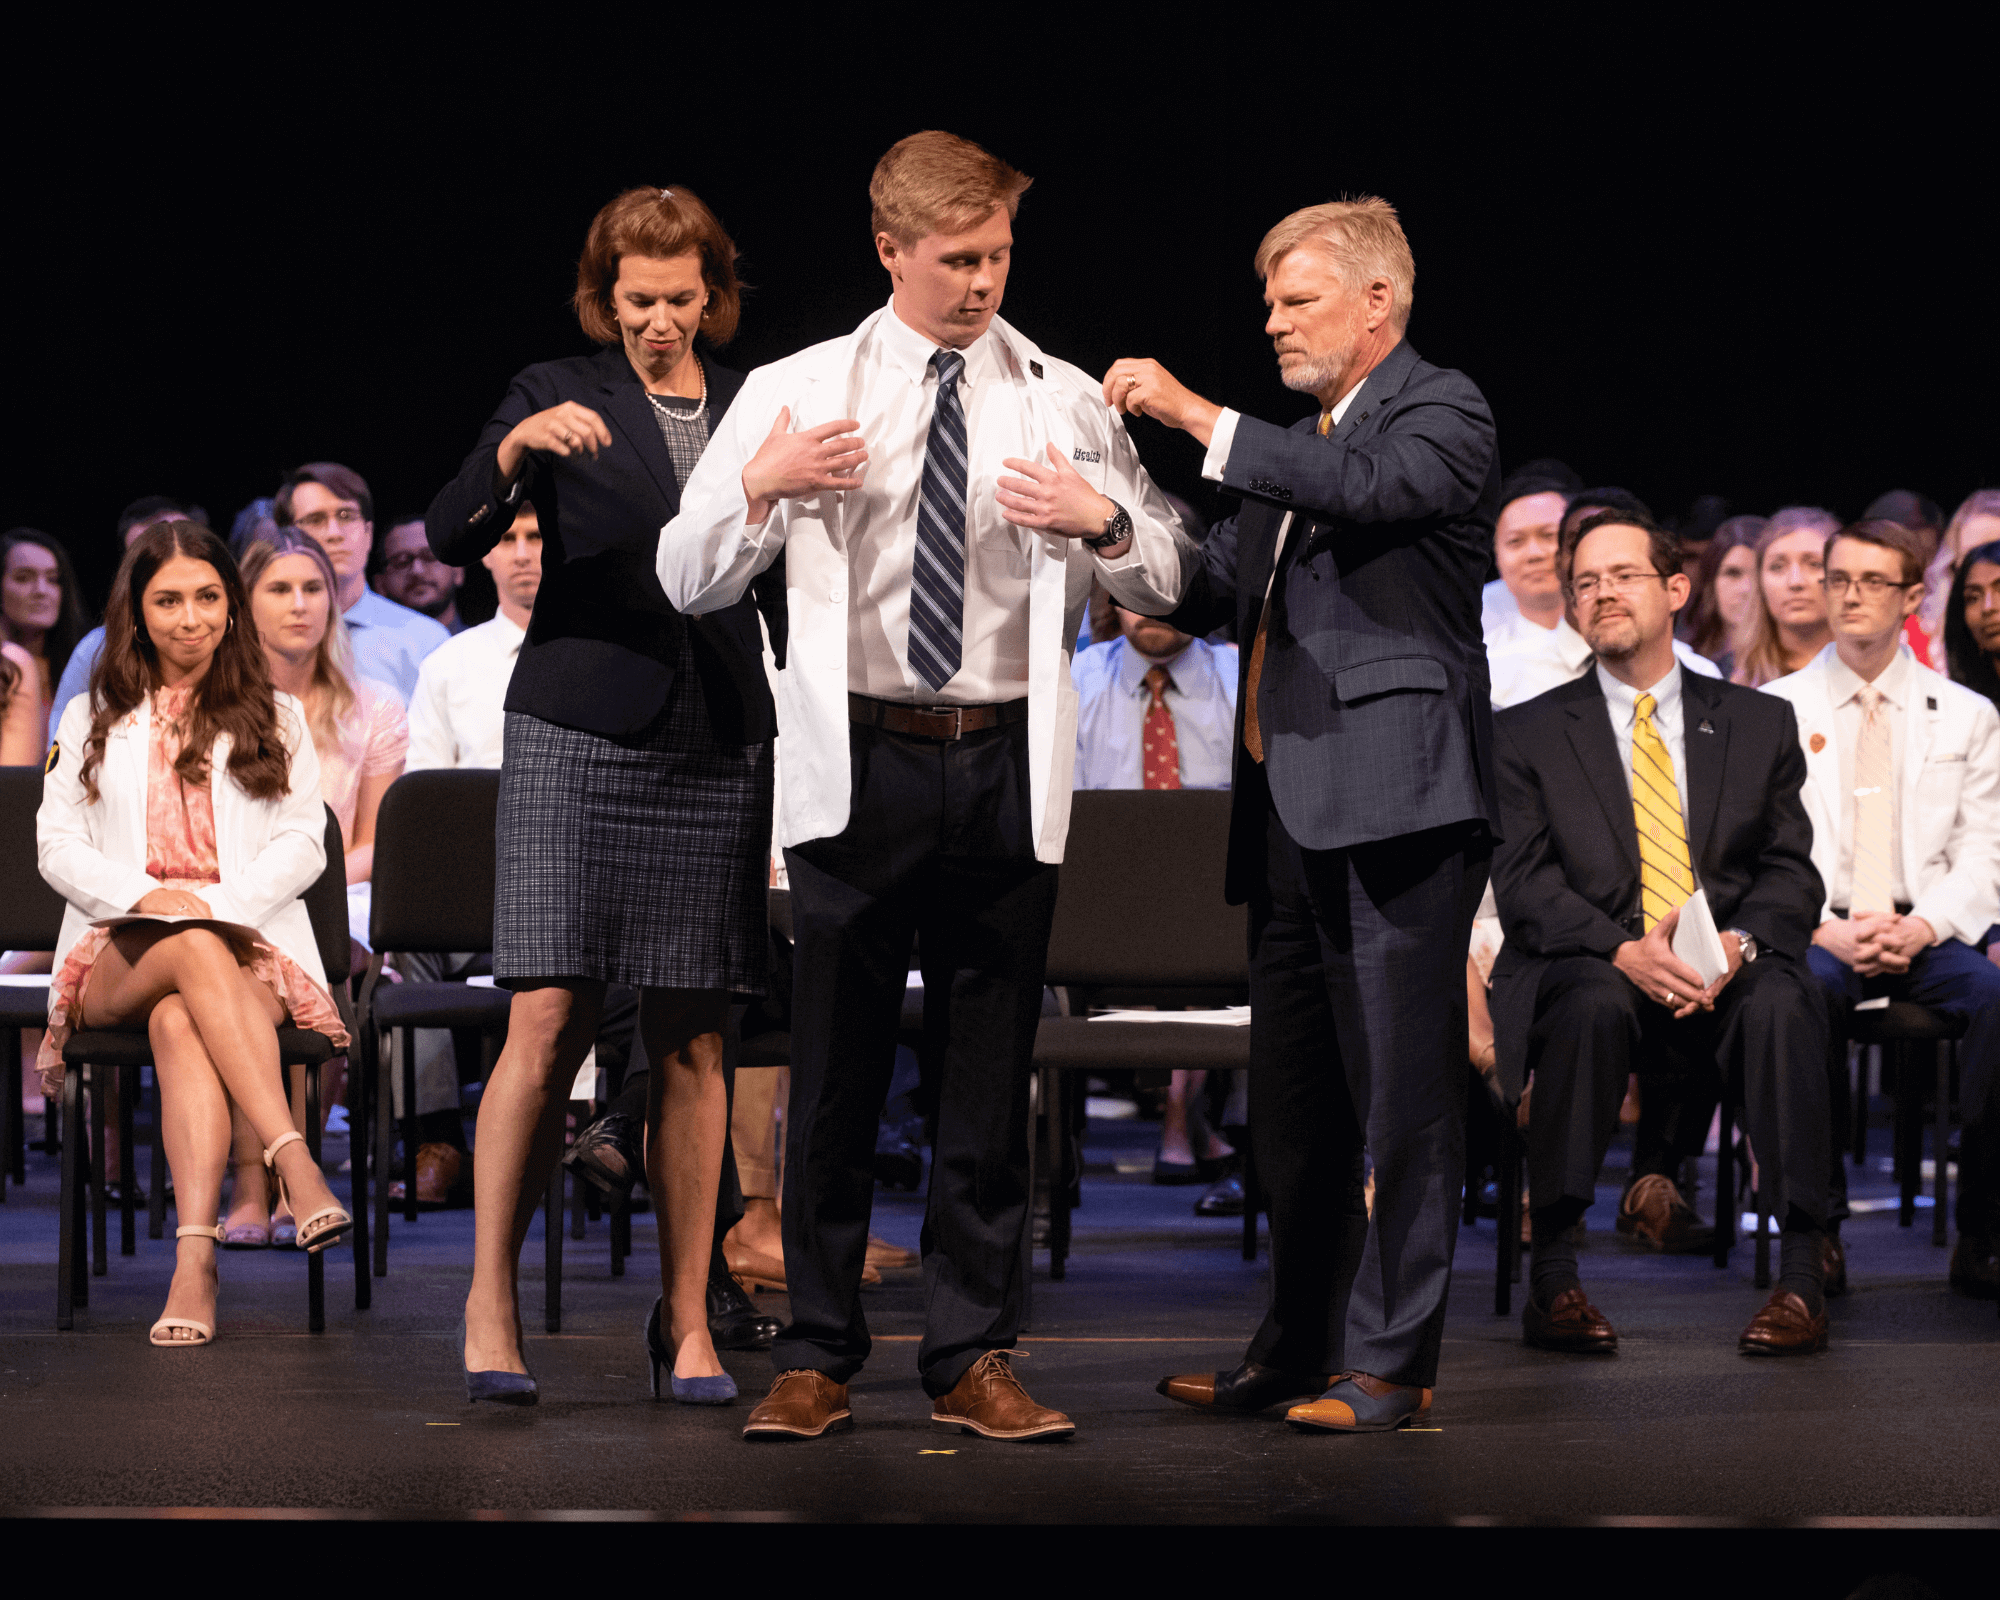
(1902, 1029)
(91, 1055)
(432, 893)
(1113, 881)
(31, 916)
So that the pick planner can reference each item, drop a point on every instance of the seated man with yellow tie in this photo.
(1903, 789)
(1621, 793)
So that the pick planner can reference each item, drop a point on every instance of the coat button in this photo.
(836, 595)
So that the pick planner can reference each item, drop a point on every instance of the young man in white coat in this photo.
(1903, 789)
(942, 493)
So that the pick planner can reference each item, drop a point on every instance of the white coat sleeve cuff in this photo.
(1216, 462)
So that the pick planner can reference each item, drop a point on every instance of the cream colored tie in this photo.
(1873, 798)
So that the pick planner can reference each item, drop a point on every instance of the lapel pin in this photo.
(1706, 726)
(1816, 743)
(1930, 702)
(1035, 367)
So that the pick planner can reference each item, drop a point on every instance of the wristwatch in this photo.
(1117, 528)
(1748, 942)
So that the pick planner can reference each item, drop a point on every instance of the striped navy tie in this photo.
(937, 580)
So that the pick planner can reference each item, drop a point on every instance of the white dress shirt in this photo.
(1844, 684)
(1524, 659)
(1112, 702)
(896, 389)
(456, 715)
(1622, 703)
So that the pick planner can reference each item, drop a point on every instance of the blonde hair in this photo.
(1362, 240)
(1980, 503)
(1764, 658)
(936, 182)
(332, 695)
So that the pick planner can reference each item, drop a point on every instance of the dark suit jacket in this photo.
(602, 643)
(1373, 699)
(1566, 874)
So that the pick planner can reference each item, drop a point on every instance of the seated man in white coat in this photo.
(943, 492)
(1903, 789)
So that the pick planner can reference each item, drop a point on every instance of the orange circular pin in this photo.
(1818, 743)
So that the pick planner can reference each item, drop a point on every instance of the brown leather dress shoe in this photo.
(438, 1169)
(1654, 1214)
(1359, 1402)
(802, 1404)
(1783, 1328)
(1252, 1387)
(1832, 1265)
(1571, 1324)
(990, 1401)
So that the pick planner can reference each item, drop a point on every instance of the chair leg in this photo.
(1725, 1179)
(409, 1041)
(69, 1276)
(384, 1140)
(128, 1163)
(1253, 1202)
(1944, 1054)
(1909, 1135)
(1762, 1277)
(10, 1109)
(552, 1210)
(578, 1205)
(98, 1078)
(621, 1238)
(1858, 1059)
(156, 1189)
(315, 1262)
(358, 1130)
(1507, 1248)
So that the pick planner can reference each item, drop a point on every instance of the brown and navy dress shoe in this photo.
(1783, 1328)
(1570, 1324)
(1362, 1403)
(1251, 1387)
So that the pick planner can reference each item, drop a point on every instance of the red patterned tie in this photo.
(1162, 746)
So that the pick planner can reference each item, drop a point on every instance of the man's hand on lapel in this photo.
(788, 465)
(1054, 499)
(1659, 974)
(1143, 388)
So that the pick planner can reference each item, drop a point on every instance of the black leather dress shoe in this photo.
(1251, 1387)
(608, 1154)
(734, 1322)
(1222, 1198)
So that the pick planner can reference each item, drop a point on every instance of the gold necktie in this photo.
(1872, 804)
(1665, 878)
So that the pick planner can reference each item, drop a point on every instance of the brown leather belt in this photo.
(933, 722)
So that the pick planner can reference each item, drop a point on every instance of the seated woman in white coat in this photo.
(184, 786)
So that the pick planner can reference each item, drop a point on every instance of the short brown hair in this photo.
(661, 223)
(1663, 547)
(936, 182)
(330, 476)
(1362, 238)
(1906, 542)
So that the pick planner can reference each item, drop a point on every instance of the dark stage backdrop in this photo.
(1716, 276)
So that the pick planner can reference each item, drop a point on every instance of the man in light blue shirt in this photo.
(1113, 698)
(332, 503)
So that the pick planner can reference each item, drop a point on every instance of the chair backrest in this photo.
(1139, 904)
(326, 904)
(434, 851)
(31, 912)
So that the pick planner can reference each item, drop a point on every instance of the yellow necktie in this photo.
(1665, 878)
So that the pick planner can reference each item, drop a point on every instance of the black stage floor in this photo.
(1897, 1421)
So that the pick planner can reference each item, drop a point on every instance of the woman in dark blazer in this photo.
(635, 800)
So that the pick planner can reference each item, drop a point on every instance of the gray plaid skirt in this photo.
(641, 860)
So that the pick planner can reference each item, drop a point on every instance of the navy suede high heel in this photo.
(716, 1391)
(502, 1388)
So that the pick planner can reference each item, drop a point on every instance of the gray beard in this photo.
(1316, 374)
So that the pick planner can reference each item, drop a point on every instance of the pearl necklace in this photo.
(696, 415)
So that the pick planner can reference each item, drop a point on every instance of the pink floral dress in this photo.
(181, 854)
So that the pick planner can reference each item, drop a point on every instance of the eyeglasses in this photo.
(1871, 584)
(1630, 581)
(317, 522)
(403, 560)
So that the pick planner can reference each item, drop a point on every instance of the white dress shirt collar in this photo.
(1843, 683)
(912, 352)
(1623, 699)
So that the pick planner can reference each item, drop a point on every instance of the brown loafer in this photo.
(1832, 1265)
(438, 1169)
(1571, 1324)
(990, 1401)
(1783, 1328)
(1654, 1214)
(802, 1404)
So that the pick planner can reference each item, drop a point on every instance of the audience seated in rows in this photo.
(1788, 622)
(1902, 786)
(1725, 593)
(41, 613)
(1975, 522)
(1698, 782)
(404, 569)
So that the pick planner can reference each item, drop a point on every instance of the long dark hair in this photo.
(1969, 664)
(234, 697)
(61, 638)
(1708, 634)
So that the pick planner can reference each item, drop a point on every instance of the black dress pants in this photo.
(1357, 1042)
(1766, 1036)
(938, 848)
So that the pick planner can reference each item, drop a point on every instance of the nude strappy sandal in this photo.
(336, 1221)
(207, 1333)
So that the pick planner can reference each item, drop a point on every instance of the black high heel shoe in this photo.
(716, 1391)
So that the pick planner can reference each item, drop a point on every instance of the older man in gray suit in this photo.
(1364, 806)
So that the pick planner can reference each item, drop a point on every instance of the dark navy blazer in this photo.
(1373, 700)
(603, 640)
